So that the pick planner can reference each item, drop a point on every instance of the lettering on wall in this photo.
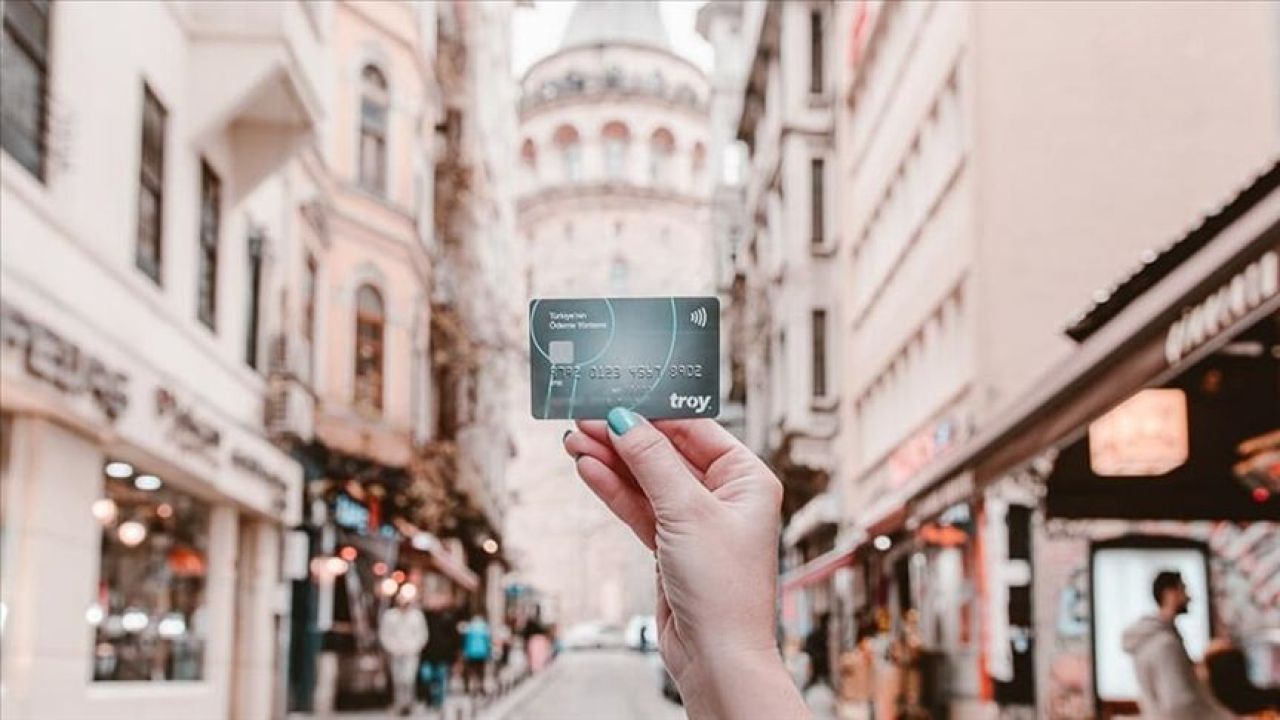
(186, 430)
(1244, 292)
(61, 363)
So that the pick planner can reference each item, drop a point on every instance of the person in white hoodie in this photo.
(402, 631)
(1167, 679)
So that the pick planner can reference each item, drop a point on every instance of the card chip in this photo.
(560, 352)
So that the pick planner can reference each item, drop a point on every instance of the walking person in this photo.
(440, 654)
(477, 649)
(402, 632)
(1167, 681)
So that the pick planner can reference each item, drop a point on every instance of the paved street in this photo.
(598, 686)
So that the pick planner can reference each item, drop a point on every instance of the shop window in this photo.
(24, 73)
(373, 130)
(370, 322)
(210, 227)
(151, 187)
(149, 612)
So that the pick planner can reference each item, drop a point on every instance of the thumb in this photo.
(658, 468)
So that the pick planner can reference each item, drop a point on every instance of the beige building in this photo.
(146, 244)
(994, 164)
(612, 201)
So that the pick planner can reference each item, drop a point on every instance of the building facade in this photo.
(229, 314)
(146, 237)
(612, 201)
(980, 198)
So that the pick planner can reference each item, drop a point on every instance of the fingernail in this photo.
(566, 435)
(621, 420)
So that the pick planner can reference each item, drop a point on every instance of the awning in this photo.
(418, 542)
(819, 511)
(817, 569)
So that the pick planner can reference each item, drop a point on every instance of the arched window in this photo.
(616, 138)
(370, 328)
(699, 162)
(373, 130)
(569, 145)
(528, 163)
(661, 147)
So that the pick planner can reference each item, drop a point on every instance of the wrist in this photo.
(742, 684)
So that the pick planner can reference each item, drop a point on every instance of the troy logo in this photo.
(696, 403)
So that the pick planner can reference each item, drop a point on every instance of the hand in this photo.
(709, 508)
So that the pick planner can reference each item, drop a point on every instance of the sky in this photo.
(536, 31)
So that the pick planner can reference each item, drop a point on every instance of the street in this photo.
(603, 685)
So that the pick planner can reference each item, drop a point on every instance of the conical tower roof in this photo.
(604, 22)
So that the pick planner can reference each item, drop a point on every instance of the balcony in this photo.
(290, 408)
(258, 67)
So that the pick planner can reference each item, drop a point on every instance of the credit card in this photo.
(657, 356)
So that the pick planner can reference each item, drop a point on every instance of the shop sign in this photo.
(1243, 293)
(919, 449)
(1145, 435)
(349, 513)
(249, 464)
(61, 363)
(187, 431)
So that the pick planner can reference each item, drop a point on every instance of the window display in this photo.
(150, 606)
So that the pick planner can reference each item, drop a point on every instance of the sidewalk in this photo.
(458, 707)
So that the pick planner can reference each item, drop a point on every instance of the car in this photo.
(593, 635)
(642, 633)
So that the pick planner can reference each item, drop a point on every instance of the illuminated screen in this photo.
(1122, 578)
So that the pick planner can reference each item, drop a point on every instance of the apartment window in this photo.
(370, 325)
(309, 299)
(254, 299)
(24, 75)
(210, 222)
(373, 130)
(150, 249)
(819, 334)
(817, 51)
(817, 201)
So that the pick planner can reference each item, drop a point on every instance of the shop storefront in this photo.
(141, 527)
(1155, 446)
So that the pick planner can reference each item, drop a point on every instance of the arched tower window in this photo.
(370, 331)
(698, 163)
(374, 100)
(528, 162)
(662, 145)
(616, 138)
(569, 145)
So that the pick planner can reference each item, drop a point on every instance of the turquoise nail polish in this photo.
(621, 420)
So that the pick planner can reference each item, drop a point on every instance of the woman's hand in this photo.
(709, 508)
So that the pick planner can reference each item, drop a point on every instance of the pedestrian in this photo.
(537, 644)
(716, 508)
(440, 654)
(858, 677)
(402, 631)
(1167, 681)
(477, 648)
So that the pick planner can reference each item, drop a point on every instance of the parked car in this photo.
(593, 636)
